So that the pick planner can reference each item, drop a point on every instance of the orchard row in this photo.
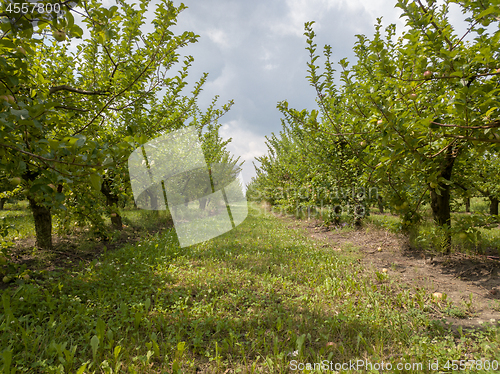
(416, 116)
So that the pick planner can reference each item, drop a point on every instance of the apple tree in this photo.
(72, 117)
(420, 101)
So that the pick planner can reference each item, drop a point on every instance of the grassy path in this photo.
(260, 299)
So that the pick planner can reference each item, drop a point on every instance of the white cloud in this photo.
(219, 37)
(299, 12)
(245, 143)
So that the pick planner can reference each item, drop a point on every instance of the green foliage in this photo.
(415, 116)
(70, 119)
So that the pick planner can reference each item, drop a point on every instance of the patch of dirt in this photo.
(457, 275)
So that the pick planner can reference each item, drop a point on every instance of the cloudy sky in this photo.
(254, 52)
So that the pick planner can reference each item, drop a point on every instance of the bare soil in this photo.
(457, 275)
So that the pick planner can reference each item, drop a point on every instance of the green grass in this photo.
(19, 216)
(261, 298)
(388, 222)
(428, 236)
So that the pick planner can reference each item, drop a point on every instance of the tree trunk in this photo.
(440, 203)
(467, 204)
(493, 205)
(112, 201)
(203, 203)
(43, 224)
(380, 204)
(2, 203)
(153, 201)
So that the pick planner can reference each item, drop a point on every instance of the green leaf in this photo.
(180, 348)
(7, 43)
(141, 139)
(82, 368)
(487, 11)
(100, 328)
(76, 31)
(54, 144)
(108, 161)
(488, 113)
(175, 366)
(95, 180)
(20, 114)
(70, 19)
(94, 343)
(7, 360)
(117, 351)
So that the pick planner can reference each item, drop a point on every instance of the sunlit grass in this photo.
(260, 298)
(20, 217)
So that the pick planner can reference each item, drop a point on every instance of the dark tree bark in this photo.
(440, 203)
(467, 204)
(111, 201)
(43, 224)
(380, 204)
(203, 203)
(2, 203)
(493, 205)
(152, 200)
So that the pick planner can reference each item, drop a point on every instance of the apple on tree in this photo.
(8, 98)
(413, 96)
(15, 181)
(59, 35)
(427, 74)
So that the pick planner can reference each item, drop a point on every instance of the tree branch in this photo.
(471, 138)
(489, 126)
(71, 108)
(76, 90)
(47, 159)
(442, 150)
